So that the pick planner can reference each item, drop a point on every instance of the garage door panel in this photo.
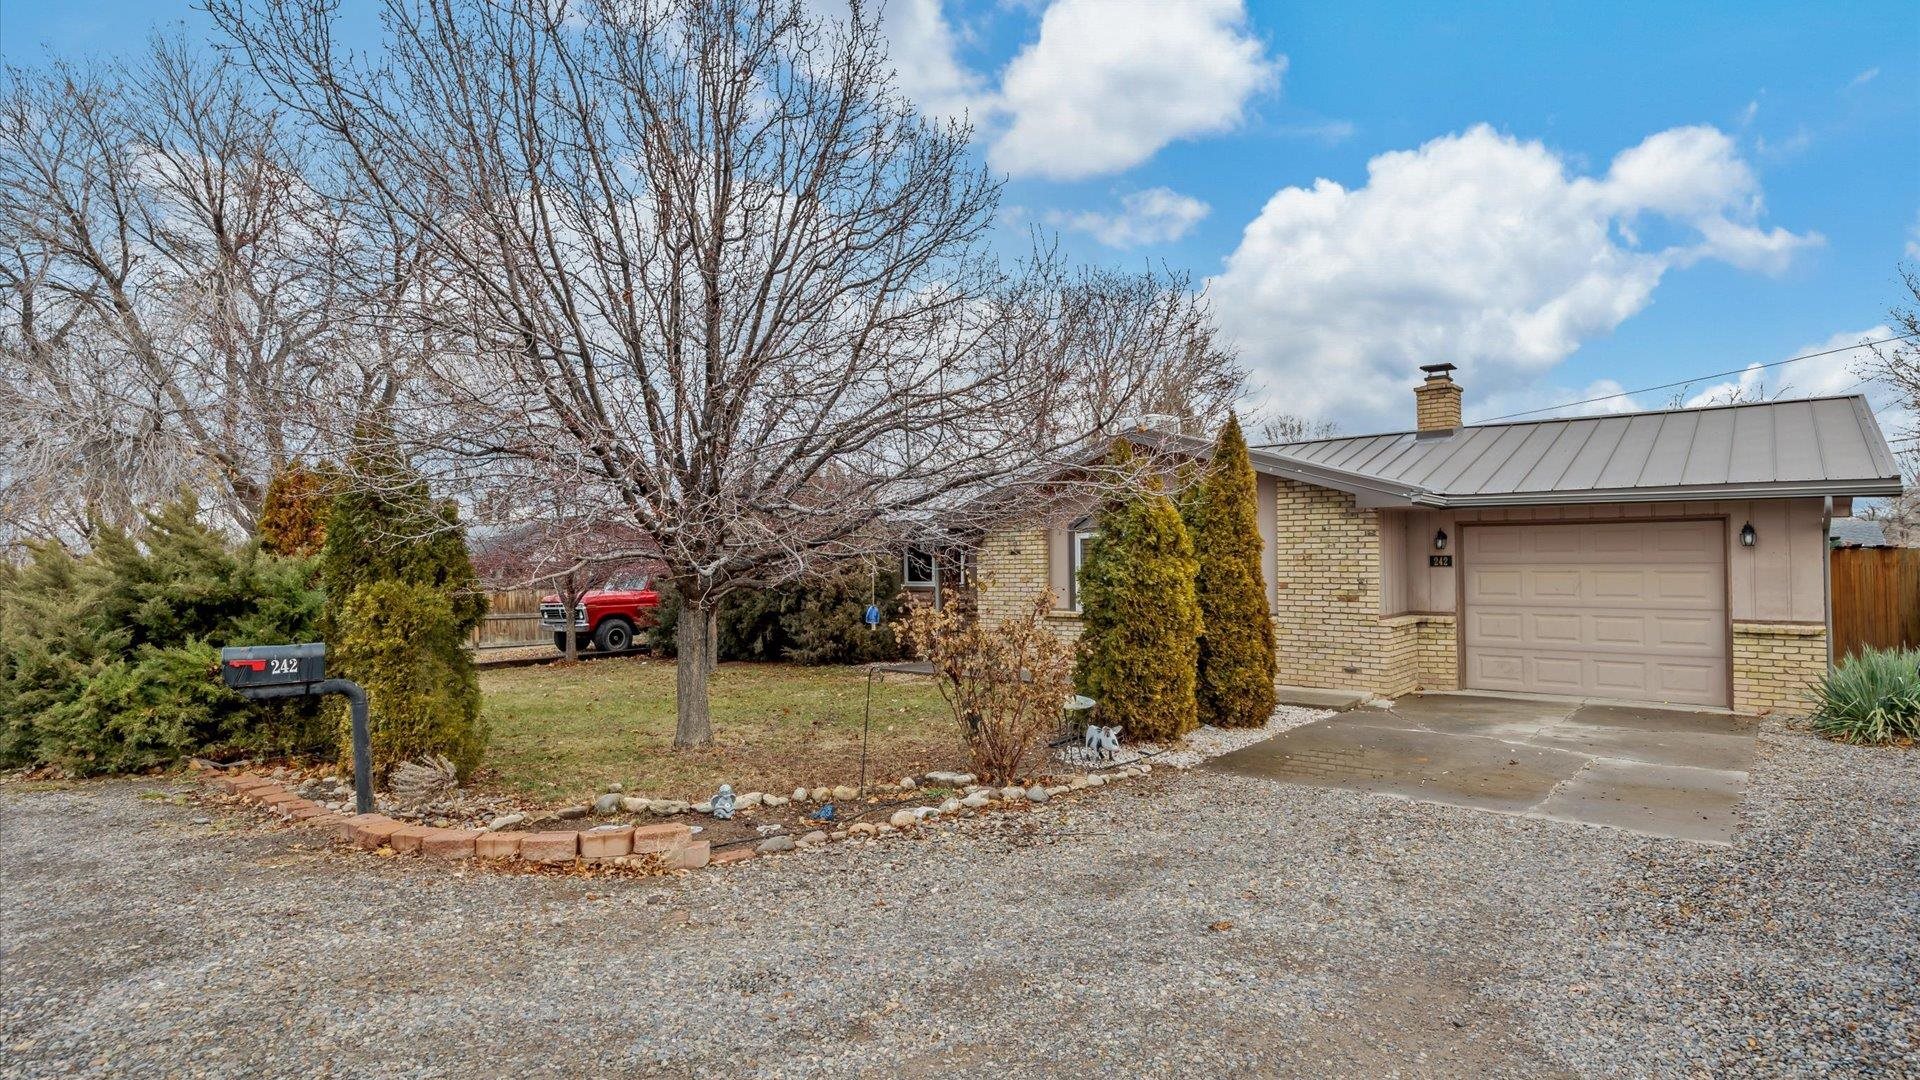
(1620, 631)
(1629, 610)
(1688, 587)
(1620, 678)
(1558, 674)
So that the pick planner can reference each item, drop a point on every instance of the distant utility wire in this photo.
(1698, 378)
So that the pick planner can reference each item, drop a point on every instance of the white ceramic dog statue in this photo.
(1103, 742)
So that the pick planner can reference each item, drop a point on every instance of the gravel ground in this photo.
(1211, 742)
(1188, 923)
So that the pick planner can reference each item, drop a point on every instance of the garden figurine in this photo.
(723, 803)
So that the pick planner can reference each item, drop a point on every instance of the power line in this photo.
(1697, 378)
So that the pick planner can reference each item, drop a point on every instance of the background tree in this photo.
(1898, 365)
(1140, 621)
(182, 306)
(401, 600)
(709, 261)
(1236, 671)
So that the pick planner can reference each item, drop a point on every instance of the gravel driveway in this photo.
(1368, 936)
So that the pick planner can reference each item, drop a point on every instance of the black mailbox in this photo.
(274, 670)
(281, 671)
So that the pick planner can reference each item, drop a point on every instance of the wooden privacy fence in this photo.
(1876, 599)
(513, 621)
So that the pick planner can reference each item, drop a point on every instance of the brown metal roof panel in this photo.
(1708, 456)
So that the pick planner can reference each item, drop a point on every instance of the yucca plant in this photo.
(1871, 697)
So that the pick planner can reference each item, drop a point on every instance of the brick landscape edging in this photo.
(670, 846)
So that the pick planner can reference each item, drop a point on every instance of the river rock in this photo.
(950, 806)
(843, 793)
(568, 813)
(1036, 793)
(633, 804)
(907, 784)
(505, 821)
(1012, 794)
(774, 800)
(799, 794)
(902, 819)
(750, 799)
(773, 845)
(814, 837)
(615, 788)
(667, 807)
(821, 794)
(976, 800)
(607, 804)
(861, 829)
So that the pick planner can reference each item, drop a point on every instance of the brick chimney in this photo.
(1437, 401)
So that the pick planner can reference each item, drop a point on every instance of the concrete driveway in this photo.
(1662, 772)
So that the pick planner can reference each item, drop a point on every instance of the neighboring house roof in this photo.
(1777, 449)
(1858, 532)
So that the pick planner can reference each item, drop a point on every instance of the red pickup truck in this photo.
(607, 617)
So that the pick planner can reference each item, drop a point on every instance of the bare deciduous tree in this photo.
(178, 302)
(708, 259)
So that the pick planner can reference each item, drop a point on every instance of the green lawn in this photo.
(564, 732)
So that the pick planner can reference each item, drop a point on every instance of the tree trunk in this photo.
(694, 639)
(570, 602)
(713, 639)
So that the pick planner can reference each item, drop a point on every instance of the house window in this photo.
(1076, 557)
(917, 569)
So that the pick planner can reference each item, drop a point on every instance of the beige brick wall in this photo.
(1777, 665)
(1010, 571)
(1437, 666)
(1437, 405)
(1327, 583)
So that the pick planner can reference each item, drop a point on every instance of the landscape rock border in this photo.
(663, 847)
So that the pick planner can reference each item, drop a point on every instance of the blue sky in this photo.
(1564, 200)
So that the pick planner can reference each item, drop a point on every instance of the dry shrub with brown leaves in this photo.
(1006, 683)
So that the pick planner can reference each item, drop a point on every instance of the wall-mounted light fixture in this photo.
(1440, 540)
(1747, 536)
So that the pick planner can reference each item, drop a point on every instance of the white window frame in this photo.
(1076, 558)
(906, 568)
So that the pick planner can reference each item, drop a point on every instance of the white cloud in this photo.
(1863, 78)
(1108, 83)
(1913, 239)
(1821, 376)
(1479, 249)
(1154, 216)
(1331, 132)
(922, 44)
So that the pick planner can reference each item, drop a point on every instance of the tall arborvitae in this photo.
(1139, 619)
(402, 598)
(293, 516)
(1237, 666)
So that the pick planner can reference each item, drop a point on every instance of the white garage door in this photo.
(1635, 611)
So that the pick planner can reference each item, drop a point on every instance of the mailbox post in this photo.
(276, 671)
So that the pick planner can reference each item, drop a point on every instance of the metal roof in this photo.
(1775, 449)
